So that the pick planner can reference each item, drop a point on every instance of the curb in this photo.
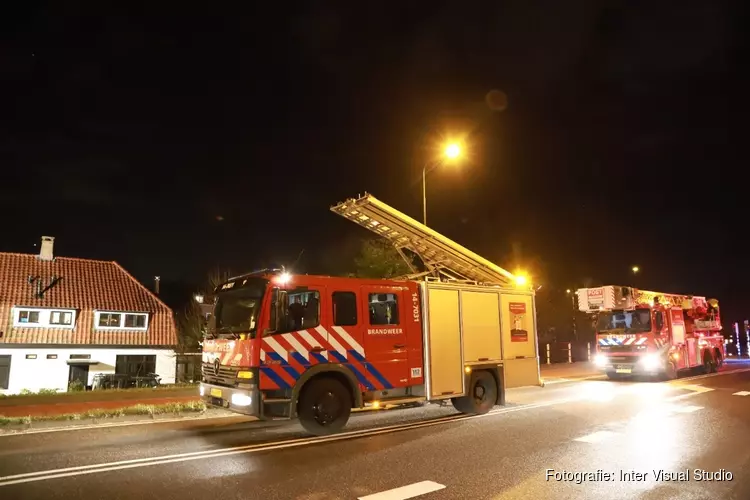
(88, 424)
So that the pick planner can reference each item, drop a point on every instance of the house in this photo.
(66, 320)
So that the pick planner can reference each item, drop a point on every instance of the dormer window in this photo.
(106, 320)
(28, 317)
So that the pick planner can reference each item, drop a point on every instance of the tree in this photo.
(379, 259)
(192, 324)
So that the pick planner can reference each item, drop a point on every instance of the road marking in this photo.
(742, 393)
(695, 390)
(404, 492)
(709, 375)
(254, 448)
(686, 409)
(595, 437)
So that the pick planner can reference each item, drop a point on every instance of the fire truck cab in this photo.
(650, 333)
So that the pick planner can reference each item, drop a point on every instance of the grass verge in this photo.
(140, 409)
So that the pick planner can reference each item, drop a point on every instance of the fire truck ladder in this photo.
(441, 256)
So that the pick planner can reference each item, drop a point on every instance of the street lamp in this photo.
(635, 269)
(451, 151)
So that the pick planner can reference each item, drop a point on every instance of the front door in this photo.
(385, 335)
(79, 373)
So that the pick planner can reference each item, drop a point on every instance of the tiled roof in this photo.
(85, 285)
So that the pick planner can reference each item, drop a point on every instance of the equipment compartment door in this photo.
(385, 336)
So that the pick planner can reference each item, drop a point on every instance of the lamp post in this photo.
(451, 152)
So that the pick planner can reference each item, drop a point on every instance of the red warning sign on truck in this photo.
(518, 332)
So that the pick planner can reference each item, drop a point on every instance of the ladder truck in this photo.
(639, 332)
(284, 345)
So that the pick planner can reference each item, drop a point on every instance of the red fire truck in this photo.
(317, 347)
(652, 333)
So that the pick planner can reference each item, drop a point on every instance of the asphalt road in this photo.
(589, 426)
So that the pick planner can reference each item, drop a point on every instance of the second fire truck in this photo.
(640, 332)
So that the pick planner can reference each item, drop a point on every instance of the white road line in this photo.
(709, 375)
(279, 445)
(686, 409)
(595, 437)
(695, 390)
(404, 492)
(742, 393)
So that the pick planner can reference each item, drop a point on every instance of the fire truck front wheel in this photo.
(324, 406)
(481, 396)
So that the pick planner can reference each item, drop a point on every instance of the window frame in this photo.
(355, 305)
(319, 293)
(121, 324)
(45, 317)
(396, 295)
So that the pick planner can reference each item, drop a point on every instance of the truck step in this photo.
(383, 403)
(276, 401)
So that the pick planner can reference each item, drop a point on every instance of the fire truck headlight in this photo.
(600, 360)
(651, 361)
(241, 400)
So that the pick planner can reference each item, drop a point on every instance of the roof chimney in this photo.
(46, 252)
(157, 280)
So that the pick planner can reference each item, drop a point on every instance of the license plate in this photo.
(623, 370)
(216, 393)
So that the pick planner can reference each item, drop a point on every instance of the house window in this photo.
(31, 356)
(135, 365)
(43, 318)
(61, 318)
(4, 371)
(80, 356)
(109, 320)
(28, 317)
(135, 321)
(121, 321)
(51, 356)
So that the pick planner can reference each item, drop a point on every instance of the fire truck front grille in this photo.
(227, 374)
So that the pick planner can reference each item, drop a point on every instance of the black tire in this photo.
(324, 406)
(481, 395)
(709, 365)
(718, 358)
(670, 372)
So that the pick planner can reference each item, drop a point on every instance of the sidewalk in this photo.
(578, 370)
(73, 408)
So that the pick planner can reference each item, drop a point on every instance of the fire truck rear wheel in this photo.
(324, 406)
(709, 363)
(481, 396)
(718, 358)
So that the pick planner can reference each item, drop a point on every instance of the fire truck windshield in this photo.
(637, 321)
(237, 310)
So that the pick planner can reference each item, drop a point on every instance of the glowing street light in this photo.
(635, 269)
(451, 151)
(521, 280)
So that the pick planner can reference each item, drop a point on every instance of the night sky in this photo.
(181, 139)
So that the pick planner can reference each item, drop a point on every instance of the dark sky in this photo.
(125, 133)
